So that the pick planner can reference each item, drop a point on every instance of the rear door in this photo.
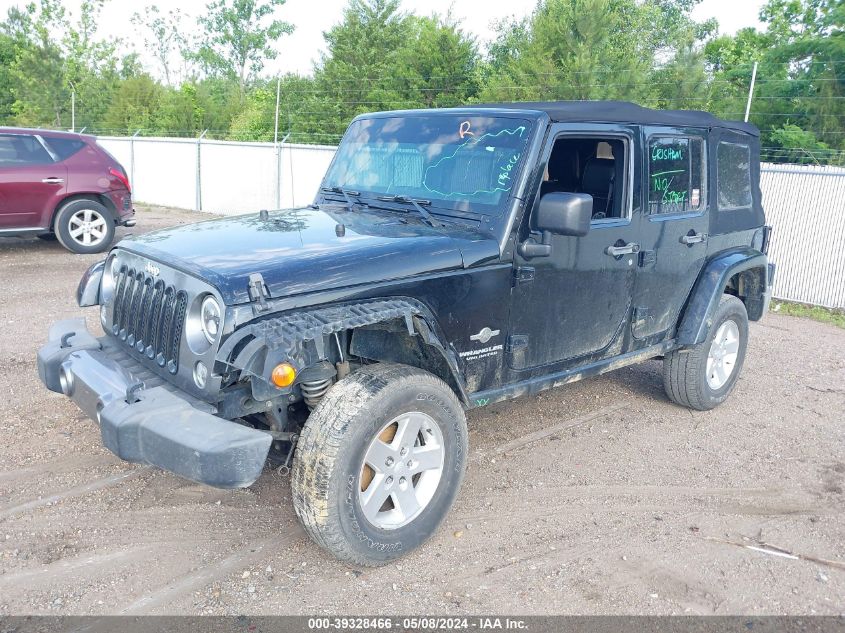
(31, 182)
(673, 228)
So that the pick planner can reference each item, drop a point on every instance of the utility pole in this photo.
(72, 107)
(278, 147)
(751, 92)
(198, 203)
(276, 119)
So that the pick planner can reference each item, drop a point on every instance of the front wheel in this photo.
(703, 376)
(379, 463)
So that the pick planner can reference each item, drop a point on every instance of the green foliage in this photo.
(379, 58)
(817, 313)
(801, 77)
(237, 38)
(436, 66)
(791, 144)
(163, 37)
(134, 105)
(7, 58)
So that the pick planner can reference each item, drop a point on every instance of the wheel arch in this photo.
(96, 197)
(396, 329)
(743, 273)
(390, 341)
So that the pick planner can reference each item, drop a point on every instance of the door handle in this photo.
(52, 180)
(618, 250)
(693, 238)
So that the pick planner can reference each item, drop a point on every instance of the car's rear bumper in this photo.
(157, 426)
(122, 201)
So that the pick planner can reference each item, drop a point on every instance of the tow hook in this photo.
(284, 469)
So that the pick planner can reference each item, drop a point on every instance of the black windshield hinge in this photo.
(647, 258)
(516, 342)
(258, 293)
(523, 275)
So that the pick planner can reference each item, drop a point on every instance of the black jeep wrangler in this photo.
(452, 259)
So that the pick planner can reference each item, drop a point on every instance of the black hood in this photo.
(306, 250)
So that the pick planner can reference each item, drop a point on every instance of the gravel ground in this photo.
(598, 498)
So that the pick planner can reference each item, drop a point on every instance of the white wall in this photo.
(805, 205)
(234, 177)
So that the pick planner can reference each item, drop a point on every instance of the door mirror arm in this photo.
(530, 248)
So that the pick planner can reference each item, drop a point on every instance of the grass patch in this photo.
(825, 315)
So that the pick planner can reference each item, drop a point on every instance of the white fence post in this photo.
(198, 205)
(132, 158)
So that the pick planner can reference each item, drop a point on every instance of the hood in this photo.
(307, 250)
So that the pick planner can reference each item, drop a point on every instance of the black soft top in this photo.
(624, 112)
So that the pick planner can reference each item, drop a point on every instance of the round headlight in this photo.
(210, 318)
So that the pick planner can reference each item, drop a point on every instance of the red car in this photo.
(64, 185)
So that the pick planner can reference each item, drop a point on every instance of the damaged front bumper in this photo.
(158, 425)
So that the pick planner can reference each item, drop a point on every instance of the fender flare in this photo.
(298, 337)
(709, 287)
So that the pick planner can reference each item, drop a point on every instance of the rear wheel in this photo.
(379, 463)
(84, 226)
(703, 376)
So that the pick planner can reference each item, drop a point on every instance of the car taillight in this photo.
(121, 177)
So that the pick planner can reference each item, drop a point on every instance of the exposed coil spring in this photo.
(314, 390)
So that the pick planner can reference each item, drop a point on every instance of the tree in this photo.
(238, 39)
(7, 58)
(682, 83)
(437, 65)
(133, 106)
(36, 75)
(791, 144)
(591, 49)
(356, 74)
(163, 39)
(800, 93)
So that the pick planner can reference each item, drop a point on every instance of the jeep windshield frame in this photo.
(466, 163)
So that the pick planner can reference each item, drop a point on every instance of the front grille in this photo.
(149, 316)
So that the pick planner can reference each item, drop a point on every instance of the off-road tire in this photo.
(685, 370)
(330, 453)
(61, 226)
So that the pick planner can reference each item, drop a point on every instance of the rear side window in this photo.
(734, 173)
(676, 174)
(64, 147)
(22, 149)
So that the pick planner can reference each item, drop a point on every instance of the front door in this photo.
(31, 184)
(674, 229)
(573, 305)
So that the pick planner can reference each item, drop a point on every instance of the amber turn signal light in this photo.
(283, 375)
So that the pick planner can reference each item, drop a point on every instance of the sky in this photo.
(297, 52)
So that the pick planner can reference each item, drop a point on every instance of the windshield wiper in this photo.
(347, 195)
(417, 204)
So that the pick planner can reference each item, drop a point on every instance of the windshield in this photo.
(453, 161)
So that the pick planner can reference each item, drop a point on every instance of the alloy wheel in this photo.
(87, 227)
(721, 359)
(401, 470)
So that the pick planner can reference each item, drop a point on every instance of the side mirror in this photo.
(565, 213)
(559, 213)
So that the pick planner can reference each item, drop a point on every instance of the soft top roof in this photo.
(624, 112)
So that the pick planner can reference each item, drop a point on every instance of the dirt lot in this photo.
(597, 498)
